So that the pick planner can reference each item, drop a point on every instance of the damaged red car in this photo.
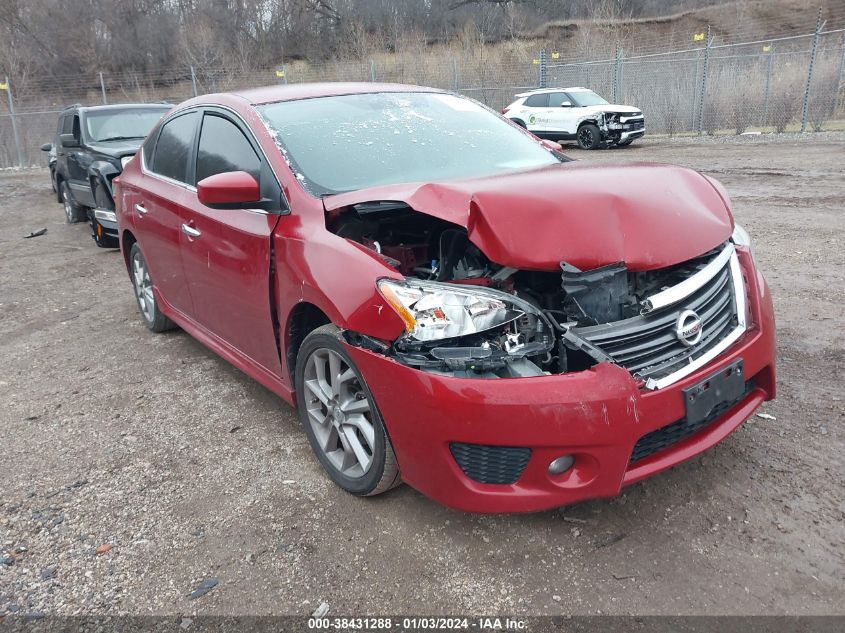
(448, 301)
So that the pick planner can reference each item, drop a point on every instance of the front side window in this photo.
(174, 147)
(350, 142)
(222, 148)
(556, 99)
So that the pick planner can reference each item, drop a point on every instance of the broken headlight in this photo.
(740, 237)
(433, 311)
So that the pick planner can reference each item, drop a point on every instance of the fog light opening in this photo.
(561, 465)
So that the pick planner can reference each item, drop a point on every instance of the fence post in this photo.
(617, 76)
(194, 81)
(103, 89)
(703, 87)
(694, 109)
(13, 118)
(768, 90)
(285, 73)
(457, 77)
(372, 70)
(805, 112)
(543, 68)
(839, 80)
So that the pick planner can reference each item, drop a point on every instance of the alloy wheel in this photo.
(585, 136)
(69, 214)
(339, 413)
(143, 287)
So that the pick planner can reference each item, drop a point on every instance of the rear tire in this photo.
(74, 213)
(340, 417)
(589, 136)
(144, 295)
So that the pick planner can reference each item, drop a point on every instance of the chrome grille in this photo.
(648, 346)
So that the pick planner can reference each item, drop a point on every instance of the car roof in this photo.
(120, 106)
(291, 92)
(542, 90)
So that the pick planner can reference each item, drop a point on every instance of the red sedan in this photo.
(446, 300)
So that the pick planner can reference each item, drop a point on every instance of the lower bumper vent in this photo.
(491, 464)
(669, 435)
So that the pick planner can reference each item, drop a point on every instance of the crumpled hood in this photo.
(645, 215)
(609, 107)
(116, 148)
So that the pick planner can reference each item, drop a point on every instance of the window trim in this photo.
(236, 118)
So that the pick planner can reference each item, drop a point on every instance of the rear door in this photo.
(226, 252)
(536, 115)
(158, 207)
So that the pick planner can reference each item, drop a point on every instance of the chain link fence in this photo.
(782, 84)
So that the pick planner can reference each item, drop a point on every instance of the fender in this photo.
(102, 171)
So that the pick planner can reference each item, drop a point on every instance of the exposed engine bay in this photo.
(468, 316)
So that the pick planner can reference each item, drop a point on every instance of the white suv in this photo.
(576, 113)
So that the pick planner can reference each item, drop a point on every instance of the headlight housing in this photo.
(435, 311)
(124, 160)
(740, 237)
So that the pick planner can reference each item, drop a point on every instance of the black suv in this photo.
(92, 146)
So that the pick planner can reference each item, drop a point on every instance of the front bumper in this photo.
(104, 228)
(595, 415)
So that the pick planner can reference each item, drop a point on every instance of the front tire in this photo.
(74, 213)
(340, 417)
(589, 136)
(144, 295)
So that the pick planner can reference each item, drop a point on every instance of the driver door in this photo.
(563, 113)
(226, 252)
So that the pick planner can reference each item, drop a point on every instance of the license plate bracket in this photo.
(725, 386)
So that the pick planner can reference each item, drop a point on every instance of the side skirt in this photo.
(223, 349)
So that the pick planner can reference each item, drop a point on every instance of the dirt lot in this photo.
(112, 435)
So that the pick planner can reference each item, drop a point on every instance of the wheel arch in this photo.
(102, 172)
(303, 319)
(127, 239)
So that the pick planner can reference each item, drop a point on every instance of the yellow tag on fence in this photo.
(698, 37)
(4, 86)
(555, 55)
(767, 48)
(280, 73)
(536, 62)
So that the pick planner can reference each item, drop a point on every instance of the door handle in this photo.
(140, 209)
(190, 231)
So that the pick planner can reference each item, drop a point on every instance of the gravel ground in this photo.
(135, 466)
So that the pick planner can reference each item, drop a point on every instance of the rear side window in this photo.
(223, 147)
(174, 147)
(537, 101)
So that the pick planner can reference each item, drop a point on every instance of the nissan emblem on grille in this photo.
(688, 328)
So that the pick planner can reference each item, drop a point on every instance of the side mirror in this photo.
(47, 147)
(68, 140)
(229, 190)
(566, 104)
(552, 145)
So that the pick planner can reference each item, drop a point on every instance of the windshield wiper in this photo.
(118, 138)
